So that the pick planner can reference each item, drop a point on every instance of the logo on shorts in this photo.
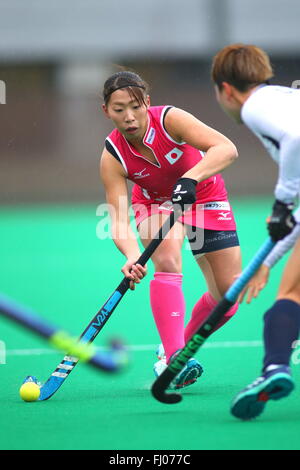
(140, 174)
(217, 206)
(224, 216)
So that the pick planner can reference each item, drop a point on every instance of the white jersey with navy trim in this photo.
(272, 113)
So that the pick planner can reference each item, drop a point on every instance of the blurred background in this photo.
(55, 56)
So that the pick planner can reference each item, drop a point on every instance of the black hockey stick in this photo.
(162, 382)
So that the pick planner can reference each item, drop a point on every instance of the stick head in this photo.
(168, 398)
(160, 386)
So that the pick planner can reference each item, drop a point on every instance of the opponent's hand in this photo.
(184, 192)
(255, 285)
(282, 221)
(134, 272)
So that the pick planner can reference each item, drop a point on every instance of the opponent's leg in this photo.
(281, 329)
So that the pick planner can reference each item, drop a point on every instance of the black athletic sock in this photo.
(281, 329)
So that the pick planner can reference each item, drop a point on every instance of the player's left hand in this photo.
(255, 285)
(282, 221)
(184, 192)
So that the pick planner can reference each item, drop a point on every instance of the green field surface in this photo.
(53, 262)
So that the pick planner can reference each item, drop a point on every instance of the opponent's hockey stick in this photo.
(162, 382)
(95, 326)
(60, 339)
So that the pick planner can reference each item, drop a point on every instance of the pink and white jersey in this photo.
(154, 182)
(173, 160)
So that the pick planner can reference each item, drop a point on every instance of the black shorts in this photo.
(205, 241)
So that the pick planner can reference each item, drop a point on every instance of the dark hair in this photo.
(136, 86)
(241, 65)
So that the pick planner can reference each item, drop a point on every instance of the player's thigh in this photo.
(219, 269)
(290, 283)
(167, 257)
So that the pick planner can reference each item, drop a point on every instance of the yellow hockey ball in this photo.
(30, 391)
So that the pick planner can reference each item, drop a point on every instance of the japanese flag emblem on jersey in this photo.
(174, 155)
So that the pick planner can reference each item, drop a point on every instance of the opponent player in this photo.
(261, 277)
(241, 75)
(161, 149)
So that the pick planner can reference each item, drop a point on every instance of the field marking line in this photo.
(139, 348)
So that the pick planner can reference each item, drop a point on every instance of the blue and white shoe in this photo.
(274, 384)
(188, 376)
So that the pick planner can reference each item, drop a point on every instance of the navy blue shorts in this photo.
(205, 241)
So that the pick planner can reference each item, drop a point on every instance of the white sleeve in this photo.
(282, 247)
(273, 114)
(288, 183)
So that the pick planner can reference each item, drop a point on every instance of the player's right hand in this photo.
(134, 272)
(282, 221)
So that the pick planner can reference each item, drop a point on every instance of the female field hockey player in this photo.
(160, 149)
(241, 75)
